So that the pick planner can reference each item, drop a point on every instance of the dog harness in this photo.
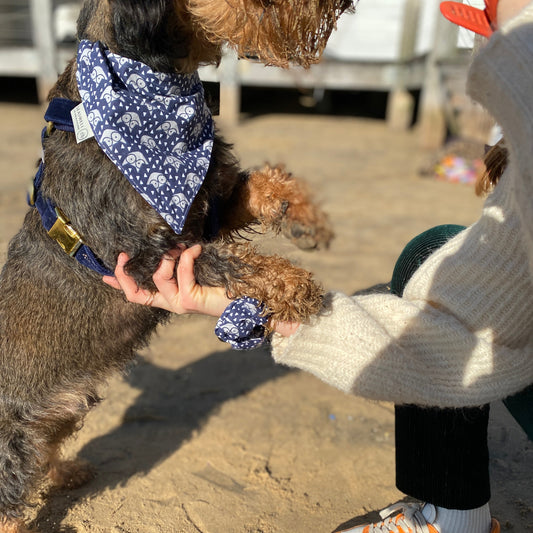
(58, 116)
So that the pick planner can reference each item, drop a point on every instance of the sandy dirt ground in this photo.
(199, 438)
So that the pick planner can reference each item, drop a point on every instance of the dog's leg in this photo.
(29, 446)
(14, 526)
(283, 203)
(20, 468)
(289, 292)
(68, 474)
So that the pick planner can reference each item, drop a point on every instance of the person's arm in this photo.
(449, 342)
(460, 336)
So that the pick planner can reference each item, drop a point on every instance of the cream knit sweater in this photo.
(462, 334)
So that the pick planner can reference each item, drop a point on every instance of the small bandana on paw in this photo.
(155, 127)
(242, 324)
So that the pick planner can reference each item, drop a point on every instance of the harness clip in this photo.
(65, 235)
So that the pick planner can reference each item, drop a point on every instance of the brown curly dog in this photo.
(63, 331)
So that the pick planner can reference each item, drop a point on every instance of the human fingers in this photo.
(190, 291)
(112, 282)
(167, 285)
(286, 328)
(185, 273)
(129, 286)
(181, 293)
(194, 297)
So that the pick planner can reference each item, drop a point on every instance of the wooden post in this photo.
(400, 104)
(409, 35)
(432, 129)
(44, 44)
(230, 90)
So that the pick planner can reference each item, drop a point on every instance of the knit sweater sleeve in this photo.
(462, 333)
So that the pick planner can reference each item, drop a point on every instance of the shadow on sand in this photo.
(173, 404)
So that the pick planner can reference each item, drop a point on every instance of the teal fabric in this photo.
(520, 406)
(417, 251)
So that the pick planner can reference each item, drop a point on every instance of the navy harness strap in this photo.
(58, 113)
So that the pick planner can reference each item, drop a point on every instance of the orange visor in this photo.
(477, 20)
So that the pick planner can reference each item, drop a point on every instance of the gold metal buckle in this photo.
(65, 235)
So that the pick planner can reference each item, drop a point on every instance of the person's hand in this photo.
(181, 295)
(286, 329)
(507, 9)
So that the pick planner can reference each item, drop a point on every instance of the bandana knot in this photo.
(155, 127)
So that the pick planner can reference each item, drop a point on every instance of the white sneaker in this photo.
(407, 518)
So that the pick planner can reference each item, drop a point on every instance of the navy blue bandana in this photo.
(155, 127)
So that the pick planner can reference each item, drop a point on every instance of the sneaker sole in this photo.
(494, 528)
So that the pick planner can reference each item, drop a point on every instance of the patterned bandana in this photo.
(155, 127)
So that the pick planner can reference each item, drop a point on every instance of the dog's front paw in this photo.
(295, 298)
(282, 202)
(70, 474)
(288, 292)
(8, 525)
(307, 231)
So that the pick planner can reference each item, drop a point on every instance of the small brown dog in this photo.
(63, 331)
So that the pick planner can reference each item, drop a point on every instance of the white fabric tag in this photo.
(82, 127)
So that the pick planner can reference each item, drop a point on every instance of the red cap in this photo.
(477, 20)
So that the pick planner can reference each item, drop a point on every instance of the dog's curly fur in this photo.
(62, 330)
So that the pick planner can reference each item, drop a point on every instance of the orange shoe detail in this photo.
(401, 516)
(495, 526)
(409, 520)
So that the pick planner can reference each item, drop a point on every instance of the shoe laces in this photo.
(408, 520)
